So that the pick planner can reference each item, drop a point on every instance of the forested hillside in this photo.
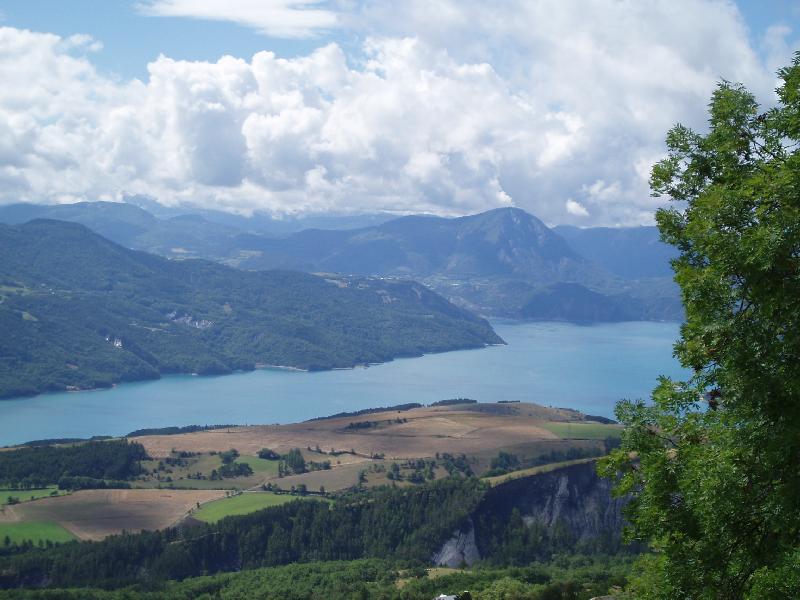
(78, 311)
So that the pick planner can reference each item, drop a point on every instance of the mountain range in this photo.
(502, 263)
(79, 311)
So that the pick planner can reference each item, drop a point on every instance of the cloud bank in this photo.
(449, 107)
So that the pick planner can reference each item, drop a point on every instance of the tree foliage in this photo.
(573, 578)
(713, 462)
(45, 465)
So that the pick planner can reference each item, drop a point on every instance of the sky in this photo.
(293, 107)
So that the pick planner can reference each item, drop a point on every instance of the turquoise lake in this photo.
(587, 368)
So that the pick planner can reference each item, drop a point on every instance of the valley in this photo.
(307, 299)
(396, 472)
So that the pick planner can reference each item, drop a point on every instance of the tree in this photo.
(268, 454)
(293, 462)
(229, 456)
(712, 462)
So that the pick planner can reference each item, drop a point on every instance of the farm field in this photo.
(390, 447)
(35, 531)
(27, 495)
(261, 467)
(339, 477)
(95, 514)
(242, 504)
(583, 431)
(185, 474)
(362, 443)
(456, 429)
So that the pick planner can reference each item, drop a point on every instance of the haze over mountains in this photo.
(504, 262)
(79, 311)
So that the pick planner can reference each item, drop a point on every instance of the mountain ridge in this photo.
(503, 262)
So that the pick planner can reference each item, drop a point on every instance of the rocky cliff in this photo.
(566, 509)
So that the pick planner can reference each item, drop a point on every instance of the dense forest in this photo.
(78, 464)
(564, 578)
(78, 311)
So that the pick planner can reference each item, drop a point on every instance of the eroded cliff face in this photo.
(460, 549)
(568, 508)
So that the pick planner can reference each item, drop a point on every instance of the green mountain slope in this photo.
(500, 242)
(77, 310)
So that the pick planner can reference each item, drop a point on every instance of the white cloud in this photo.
(777, 45)
(576, 209)
(82, 41)
(449, 107)
(620, 71)
(276, 18)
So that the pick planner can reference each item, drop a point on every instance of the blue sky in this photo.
(131, 39)
(440, 106)
(763, 14)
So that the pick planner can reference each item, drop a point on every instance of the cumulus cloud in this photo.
(275, 18)
(576, 208)
(620, 72)
(446, 108)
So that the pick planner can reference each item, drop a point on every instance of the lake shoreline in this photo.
(538, 364)
(71, 389)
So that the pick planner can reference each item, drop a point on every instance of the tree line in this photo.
(39, 466)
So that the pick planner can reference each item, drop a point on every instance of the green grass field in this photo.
(35, 531)
(25, 495)
(267, 468)
(240, 505)
(582, 431)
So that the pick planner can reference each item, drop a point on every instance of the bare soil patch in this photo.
(95, 514)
